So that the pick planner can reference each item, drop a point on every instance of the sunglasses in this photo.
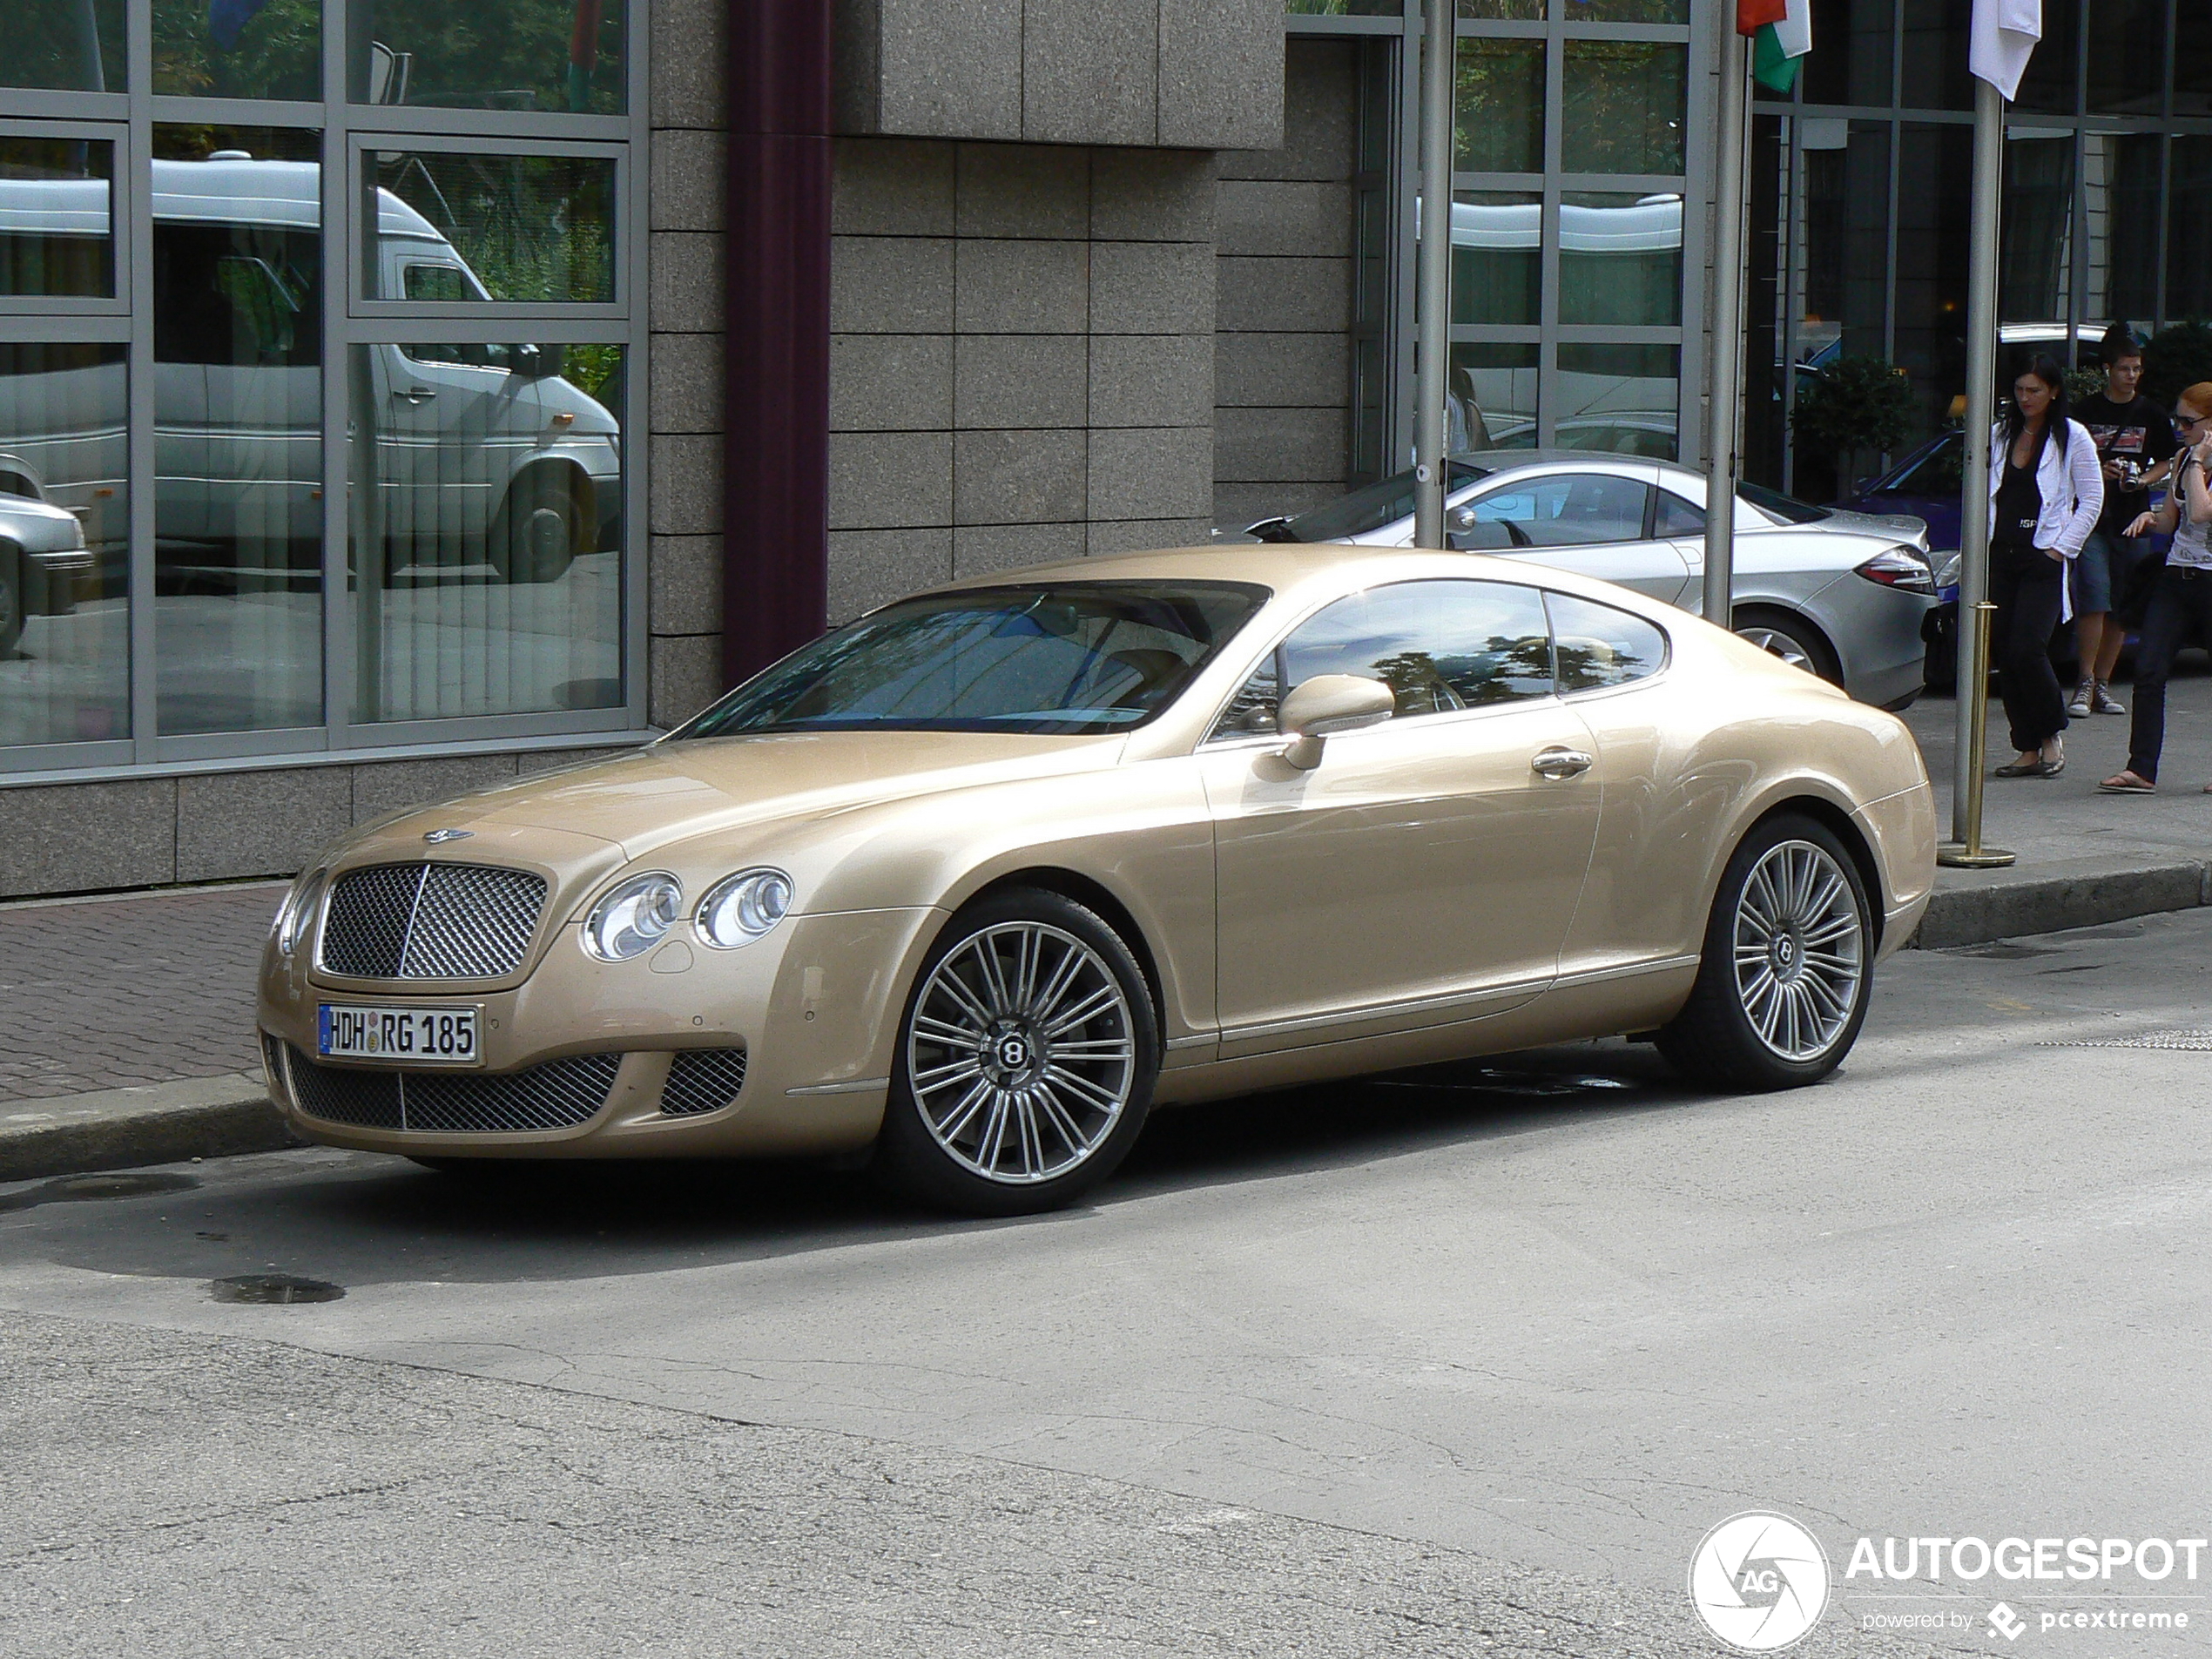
(2188, 420)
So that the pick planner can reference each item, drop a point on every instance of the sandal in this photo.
(2021, 769)
(2131, 783)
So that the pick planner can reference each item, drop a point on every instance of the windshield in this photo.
(1775, 504)
(1370, 509)
(1081, 658)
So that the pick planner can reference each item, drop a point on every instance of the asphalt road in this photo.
(1453, 1365)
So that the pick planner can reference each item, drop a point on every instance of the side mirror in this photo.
(1460, 518)
(1327, 704)
(540, 362)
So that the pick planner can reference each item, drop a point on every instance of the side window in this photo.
(1568, 509)
(423, 281)
(1597, 645)
(1438, 645)
(1676, 517)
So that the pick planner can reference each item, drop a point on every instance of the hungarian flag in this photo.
(1781, 32)
(2002, 40)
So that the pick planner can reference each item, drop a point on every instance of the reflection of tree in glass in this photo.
(531, 227)
(506, 54)
(69, 45)
(276, 54)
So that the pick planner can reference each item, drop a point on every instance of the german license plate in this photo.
(419, 1036)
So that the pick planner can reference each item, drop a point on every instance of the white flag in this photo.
(2005, 33)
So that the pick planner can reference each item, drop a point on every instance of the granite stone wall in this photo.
(1021, 358)
(1182, 74)
(685, 313)
(1283, 350)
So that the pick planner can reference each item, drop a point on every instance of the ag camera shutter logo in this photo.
(1759, 1581)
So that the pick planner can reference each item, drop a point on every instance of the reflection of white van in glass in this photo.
(464, 454)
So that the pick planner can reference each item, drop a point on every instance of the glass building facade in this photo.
(1860, 195)
(318, 318)
(1574, 142)
(1582, 137)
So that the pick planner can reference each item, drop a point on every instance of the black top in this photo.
(2137, 430)
(2019, 503)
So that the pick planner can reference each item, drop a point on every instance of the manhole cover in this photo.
(275, 1287)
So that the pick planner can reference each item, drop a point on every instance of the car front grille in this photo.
(702, 1080)
(430, 921)
(559, 1095)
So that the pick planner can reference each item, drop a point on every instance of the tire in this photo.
(1786, 1013)
(11, 597)
(994, 1112)
(540, 529)
(1796, 641)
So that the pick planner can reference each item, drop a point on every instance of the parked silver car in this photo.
(1841, 594)
(42, 554)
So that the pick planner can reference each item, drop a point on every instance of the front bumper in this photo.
(814, 1008)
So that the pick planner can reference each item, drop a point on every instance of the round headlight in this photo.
(634, 918)
(740, 908)
(296, 914)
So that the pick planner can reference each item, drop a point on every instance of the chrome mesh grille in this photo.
(365, 1099)
(432, 920)
(559, 1095)
(703, 1079)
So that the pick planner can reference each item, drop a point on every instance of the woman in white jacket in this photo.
(2045, 490)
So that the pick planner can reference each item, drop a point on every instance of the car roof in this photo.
(1288, 568)
(1505, 460)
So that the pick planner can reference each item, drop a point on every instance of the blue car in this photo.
(1926, 483)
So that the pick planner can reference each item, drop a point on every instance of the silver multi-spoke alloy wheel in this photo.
(1021, 1053)
(1799, 949)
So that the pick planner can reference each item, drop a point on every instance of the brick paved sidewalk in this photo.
(113, 993)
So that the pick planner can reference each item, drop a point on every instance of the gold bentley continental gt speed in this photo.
(970, 886)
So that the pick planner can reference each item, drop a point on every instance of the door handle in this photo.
(415, 394)
(1563, 763)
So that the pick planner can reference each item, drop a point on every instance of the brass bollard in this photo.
(1974, 855)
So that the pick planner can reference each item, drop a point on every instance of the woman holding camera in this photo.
(2045, 490)
(2180, 603)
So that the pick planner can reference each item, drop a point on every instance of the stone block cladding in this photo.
(1283, 368)
(684, 422)
(1021, 358)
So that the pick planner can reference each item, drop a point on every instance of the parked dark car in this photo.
(1925, 483)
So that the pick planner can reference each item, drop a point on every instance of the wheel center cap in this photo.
(1786, 955)
(1009, 1054)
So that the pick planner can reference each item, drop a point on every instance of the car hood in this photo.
(673, 792)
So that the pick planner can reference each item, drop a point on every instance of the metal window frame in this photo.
(361, 304)
(15, 307)
(1549, 184)
(345, 127)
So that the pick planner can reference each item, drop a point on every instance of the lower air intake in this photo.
(703, 1079)
(559, 1095)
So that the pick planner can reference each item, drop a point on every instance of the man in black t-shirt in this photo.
(2135, 442)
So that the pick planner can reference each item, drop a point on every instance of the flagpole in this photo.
(1432, 276)
(1966, 850)
(1725, 397)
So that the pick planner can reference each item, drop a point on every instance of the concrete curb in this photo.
(123, 1128)
(1974, 907)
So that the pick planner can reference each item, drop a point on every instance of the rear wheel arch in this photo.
(1827, 661)
(1840, 823)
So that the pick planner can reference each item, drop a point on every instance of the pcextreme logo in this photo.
(1759, 1581)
